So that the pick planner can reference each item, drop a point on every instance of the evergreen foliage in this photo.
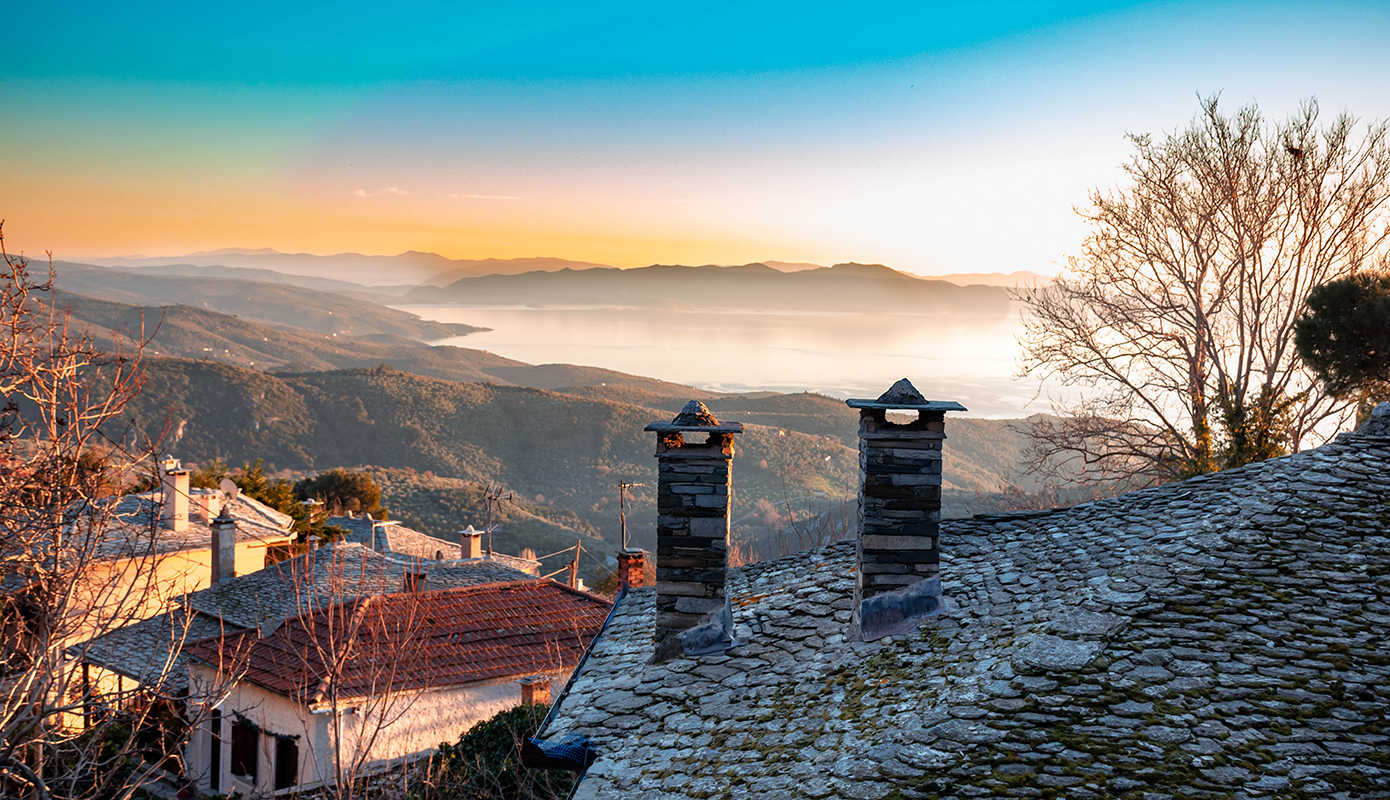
(342, 490)
(1344, 335)
(485, 763)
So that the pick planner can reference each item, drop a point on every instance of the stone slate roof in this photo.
(150, 651)
(417, 640)
(134, 527)
(389, 536)
(331, 574)
(1224, 636)
(264, 599)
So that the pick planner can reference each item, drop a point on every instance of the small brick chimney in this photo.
(631, 564)
(223, 549)
(897, 581)
(535, 689)
(470, 543)
(694, 453)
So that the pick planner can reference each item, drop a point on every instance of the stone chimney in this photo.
(223, 549)
(896, 581)
(694, 452)
(632, 563)
(173, 501)
(470, 543)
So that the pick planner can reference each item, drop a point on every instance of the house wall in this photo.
(271, 714)
(123, 591)
(375, 734)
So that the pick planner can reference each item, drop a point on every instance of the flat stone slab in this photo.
(904, 396)
(1057, 654)
(1087, 624)
(925, 405)
(695, 418)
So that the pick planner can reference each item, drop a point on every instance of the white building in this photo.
(363, 685)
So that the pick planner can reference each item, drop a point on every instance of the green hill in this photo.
(183, 331)
(571, 450)
(276, 304)
(441, 506)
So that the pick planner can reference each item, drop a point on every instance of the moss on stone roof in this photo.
(1219, 637)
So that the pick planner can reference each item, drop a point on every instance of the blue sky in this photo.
(933, 137)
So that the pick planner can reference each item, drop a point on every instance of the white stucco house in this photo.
(365, 684)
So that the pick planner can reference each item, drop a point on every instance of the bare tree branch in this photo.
(1175, 323)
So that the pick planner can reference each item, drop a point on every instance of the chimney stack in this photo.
(207, 505)
(896, 580)
(692, 532)
(470, 543)
(173, 503)
(223, 549)
(632, 563)
(535, 689)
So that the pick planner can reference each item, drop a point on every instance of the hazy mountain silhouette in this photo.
(411, 267)
(841, 288)
(392, 274)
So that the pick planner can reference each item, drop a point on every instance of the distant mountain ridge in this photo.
(847, 287)
(411, 267)
(275, 304)
(392, 274)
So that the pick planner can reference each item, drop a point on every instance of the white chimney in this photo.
(173, 504)
(223, 549)
(471, 543)
(207, 505)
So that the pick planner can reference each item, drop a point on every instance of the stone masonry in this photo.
(899, 507)
(692, 530)
(1219, 638)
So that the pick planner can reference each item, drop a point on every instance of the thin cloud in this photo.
(392, 190)
(484, 197)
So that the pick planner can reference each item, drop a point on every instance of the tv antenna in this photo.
(623, 486)
(492, 498)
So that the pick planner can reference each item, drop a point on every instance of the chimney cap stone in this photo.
(905, 397)
(695, 417)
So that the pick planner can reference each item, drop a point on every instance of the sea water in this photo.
(970, 360)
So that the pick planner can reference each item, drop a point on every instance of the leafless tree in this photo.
(1175, 323)
(359, 655)
(70, 569)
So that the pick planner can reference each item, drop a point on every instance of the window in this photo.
(244, 736)
(286, 762)
(215, 754)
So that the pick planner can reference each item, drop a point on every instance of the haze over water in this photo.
(841, 355)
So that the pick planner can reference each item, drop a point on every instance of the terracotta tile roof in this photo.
(151, 651)
(425, 640)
